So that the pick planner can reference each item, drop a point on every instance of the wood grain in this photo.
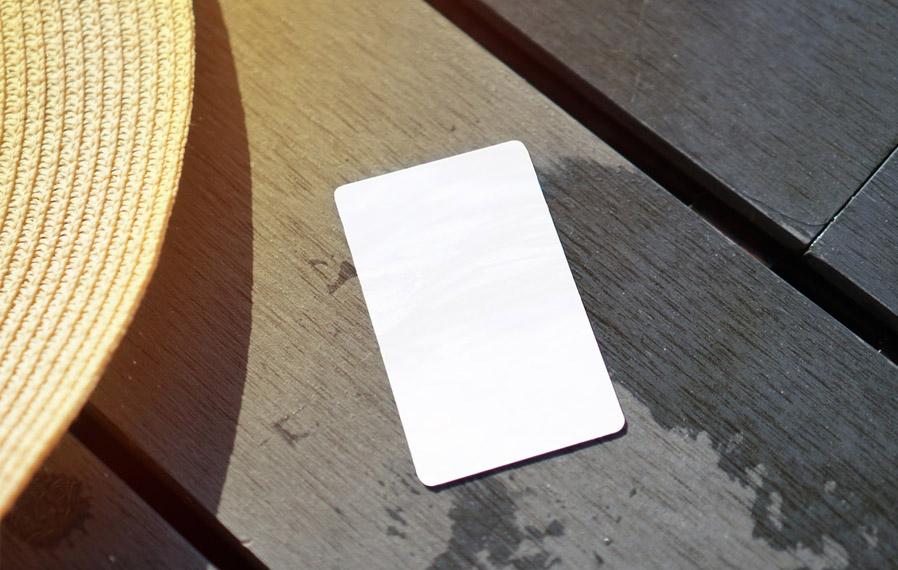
(858, 250)
(781, 110)
(77, 515)
(759, 429)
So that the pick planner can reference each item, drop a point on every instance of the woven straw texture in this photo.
(96, 102)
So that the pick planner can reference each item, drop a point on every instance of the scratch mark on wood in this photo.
(638, 49)
(641, 17)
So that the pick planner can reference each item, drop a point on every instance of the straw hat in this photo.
(95, 98)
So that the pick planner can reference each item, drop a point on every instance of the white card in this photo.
(489, 352)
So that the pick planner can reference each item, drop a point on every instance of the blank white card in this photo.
(487, 346)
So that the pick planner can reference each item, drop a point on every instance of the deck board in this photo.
(75, 514)
(859, 250)
(759, 429)
(782, 110)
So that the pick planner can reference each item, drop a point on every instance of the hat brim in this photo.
(96, 101)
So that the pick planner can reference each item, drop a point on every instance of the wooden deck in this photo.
(246, 420)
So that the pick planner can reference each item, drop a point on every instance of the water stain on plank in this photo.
(484, 523)
(697, 344)
(52, 507)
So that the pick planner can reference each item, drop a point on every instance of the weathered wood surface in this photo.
(76, 515)
(760, 430)
(783, 108)
(859, 250)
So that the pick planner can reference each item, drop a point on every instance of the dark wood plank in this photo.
(781, 109)
(760, 430)
(75, 514)
(859, 250)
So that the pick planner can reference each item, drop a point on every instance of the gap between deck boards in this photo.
(665, 165)
(162, 493)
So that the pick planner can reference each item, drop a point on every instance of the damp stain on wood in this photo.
(484, 524)
(52, 507)
(760, 379)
